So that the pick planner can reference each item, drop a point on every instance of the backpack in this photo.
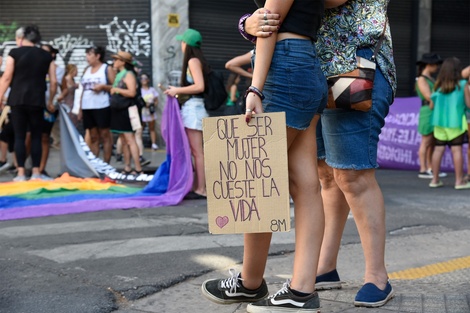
(215, 94)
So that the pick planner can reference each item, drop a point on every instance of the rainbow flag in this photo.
(67, 194)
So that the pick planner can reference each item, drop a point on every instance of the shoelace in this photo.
(231, 283)
(283, 290)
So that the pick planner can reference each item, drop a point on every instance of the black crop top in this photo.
(304, 18)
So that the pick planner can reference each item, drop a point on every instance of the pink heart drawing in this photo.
(221, 221)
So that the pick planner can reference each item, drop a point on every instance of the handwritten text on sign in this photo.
(246, 173)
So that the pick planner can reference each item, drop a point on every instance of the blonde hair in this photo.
(68, 69)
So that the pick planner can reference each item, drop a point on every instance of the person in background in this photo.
(149, 112)
(287, 56)
(25, 72)
(193, 77)
(466, 75)
(428, 65)
(233, 95)
(50, 116)
(60, 72)
(97, 81)
(68, 87)
(347, 171)
(7, 137)
(126, 85)
(236, 64)
(450, 99)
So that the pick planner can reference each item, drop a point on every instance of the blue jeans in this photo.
(348, 139)
(295, 83)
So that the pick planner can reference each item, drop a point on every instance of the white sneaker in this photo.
(154, 146)
(441, 174)
(19, 178)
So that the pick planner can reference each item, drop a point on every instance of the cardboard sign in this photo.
(246, 174)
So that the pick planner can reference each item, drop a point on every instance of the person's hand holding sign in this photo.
(254, 96)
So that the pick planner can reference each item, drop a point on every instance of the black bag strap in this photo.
(381, 40)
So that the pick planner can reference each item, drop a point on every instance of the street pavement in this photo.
(154, 260)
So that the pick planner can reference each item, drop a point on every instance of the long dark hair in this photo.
(449, 75)
(189, 53)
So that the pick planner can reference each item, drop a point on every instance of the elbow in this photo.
(228, 66)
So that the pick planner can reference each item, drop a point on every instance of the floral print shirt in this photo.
(351, 26)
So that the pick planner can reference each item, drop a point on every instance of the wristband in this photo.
(256, 91)
(241, 29)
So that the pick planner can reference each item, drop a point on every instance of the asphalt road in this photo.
(102, 261)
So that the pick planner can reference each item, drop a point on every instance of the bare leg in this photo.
(3, 151)
(336, 214)
(138, 139)
(255, 256)
(126, 153)
(107, 139)
(468, 154)
(425, 152)
(304, 187)
(305, 190)
(436, 162)
(365, 199)
(93, 141)
(134, 150)
(153, 133)
(45, 152)
(195, 142)
(457, 157)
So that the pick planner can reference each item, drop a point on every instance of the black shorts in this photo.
(96, 118)
(458, 141)
(47, 125)
(7, 135)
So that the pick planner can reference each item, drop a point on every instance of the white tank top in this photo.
(92, 99)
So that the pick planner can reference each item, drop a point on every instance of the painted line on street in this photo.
(432, 269)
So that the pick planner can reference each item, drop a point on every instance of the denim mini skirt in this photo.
(348, 139)
(295, 83)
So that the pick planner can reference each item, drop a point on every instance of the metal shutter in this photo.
(75, 25)
(403, 17)
(218, 23)
(450, 36)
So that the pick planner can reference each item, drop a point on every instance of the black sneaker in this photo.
(119, 158)
(143, 161)
(4, 166)
(285, 301)
(328, 281)
(230, 290)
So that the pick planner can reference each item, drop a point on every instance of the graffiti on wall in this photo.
(130, 36)
(121, 35)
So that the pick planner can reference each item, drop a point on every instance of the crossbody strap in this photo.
(381, 39)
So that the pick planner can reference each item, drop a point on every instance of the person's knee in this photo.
(354, 181)
(326, 175)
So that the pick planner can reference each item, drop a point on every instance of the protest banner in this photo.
(246, 173)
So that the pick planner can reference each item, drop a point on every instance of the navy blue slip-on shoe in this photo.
(372, 297)
(328, 281)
